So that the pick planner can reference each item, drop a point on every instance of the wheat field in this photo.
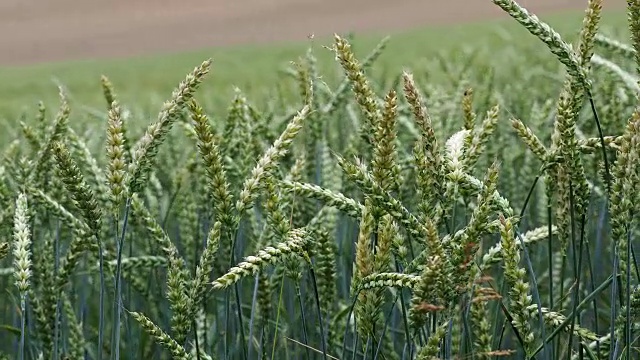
(365, 217)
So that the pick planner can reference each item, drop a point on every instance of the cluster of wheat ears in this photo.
(357, 226)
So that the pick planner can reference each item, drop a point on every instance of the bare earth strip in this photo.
(56, 30)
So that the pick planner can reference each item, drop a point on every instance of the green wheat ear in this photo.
(77, 341)
(530, 139)
(360, 85)
(146, 148)
(162, 338)
(268, 162)
(58, 131)
(562, 50)
(116, 156)
(30, 134)
(329, 198)
(107, 90)
(519, 297)
(467, 109)
(77, 187)
(615, 46)
(589, 30)
(22, 243)
(633, 19)
(359, 174)
(204, 268)
(427, 155)
(218, 186)
(385, 158)
(625, 185)
(22, 260)
(4, 250)
(434, 290)
(294, 245)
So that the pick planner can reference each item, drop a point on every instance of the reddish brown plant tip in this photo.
(425, 307)
(483, 279)
(487, 298)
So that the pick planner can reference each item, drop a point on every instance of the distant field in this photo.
(252, 66)
(36, 31)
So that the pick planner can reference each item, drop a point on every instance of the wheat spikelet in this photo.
(519, 299)
(116, 155)
(22, 243)
(365, 96)
(205, 267)
(384, 280)
(162, 338)
(294, 245)
(549, 36)
(146, 148)
(60, 127)
(328, 197)
(82, 195)
(361, 176)
(269, 161)
(614, 46)
(4, 250)
(218, 186)
(625, 183)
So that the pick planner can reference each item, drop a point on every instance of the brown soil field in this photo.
(34, 31)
